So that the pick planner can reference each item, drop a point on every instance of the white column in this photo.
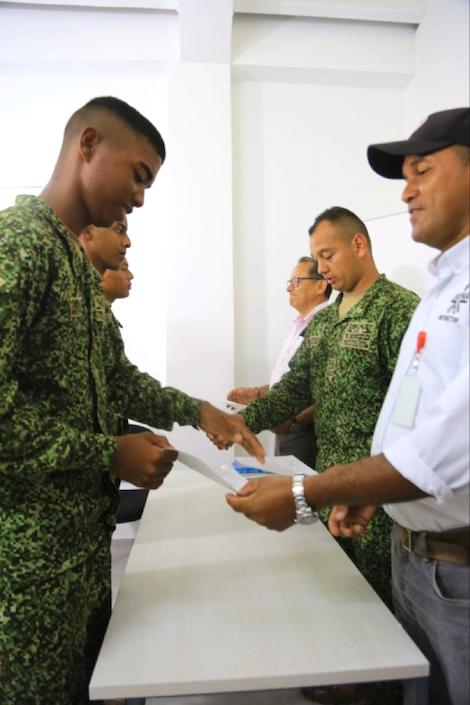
(200, 309)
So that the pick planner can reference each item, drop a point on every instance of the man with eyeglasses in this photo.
(308, 294)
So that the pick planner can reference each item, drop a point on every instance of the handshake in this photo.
(145, 459)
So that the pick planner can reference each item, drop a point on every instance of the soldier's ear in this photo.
(359, 243)
(87, 233)
(90, 138)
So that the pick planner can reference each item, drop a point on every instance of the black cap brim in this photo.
(387, 159)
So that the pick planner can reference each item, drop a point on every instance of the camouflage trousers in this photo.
(51, 631)
(372, 554)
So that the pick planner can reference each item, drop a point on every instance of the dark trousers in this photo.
(299, 441)
(132, 502)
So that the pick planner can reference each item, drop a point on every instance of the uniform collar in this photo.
(43, 209)
(451, 261)
(358, 310)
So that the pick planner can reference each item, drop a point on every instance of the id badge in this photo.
(406, 404)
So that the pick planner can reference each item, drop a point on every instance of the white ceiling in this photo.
(400, 11)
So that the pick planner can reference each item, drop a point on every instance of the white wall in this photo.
(266, 124)
(51, 62)
(441, 78)
(299, 149)
(300, 146)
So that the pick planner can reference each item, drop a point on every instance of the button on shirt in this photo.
(434, 454)
(292, 343)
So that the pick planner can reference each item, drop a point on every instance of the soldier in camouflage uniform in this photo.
(344, 368)
(65, 382)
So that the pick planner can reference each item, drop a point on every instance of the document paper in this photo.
(225, 475)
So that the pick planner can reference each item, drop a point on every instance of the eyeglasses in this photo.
(295, 281)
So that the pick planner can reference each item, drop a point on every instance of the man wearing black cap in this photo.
(419, 466)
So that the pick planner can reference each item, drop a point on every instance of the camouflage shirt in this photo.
(64, 384)
(343, 368)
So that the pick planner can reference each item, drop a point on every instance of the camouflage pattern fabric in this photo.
(65, 384)
(343, 368)
(51, 633)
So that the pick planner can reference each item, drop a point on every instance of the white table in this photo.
(212, 603)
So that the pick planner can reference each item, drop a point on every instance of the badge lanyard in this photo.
(406, 403)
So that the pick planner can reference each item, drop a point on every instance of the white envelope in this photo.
(225, 475)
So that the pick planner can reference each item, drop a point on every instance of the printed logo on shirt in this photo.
(457, 301)
(359, 335)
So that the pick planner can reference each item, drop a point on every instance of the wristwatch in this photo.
(304, 514)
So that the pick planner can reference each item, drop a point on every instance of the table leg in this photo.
(415, 691)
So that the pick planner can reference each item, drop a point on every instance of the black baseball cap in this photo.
(438, 131)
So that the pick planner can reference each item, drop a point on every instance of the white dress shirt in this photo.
(434, 454)
(292, 343)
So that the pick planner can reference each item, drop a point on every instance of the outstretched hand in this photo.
(268, 501)
(144, 459)
(224, 429)
(351, 521)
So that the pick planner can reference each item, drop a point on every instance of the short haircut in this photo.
(463, 153)
(123, 112)
(348, 221)
(313, 272)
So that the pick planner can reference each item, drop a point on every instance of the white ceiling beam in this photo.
(393, 11)
(163, 5)
(318, 76)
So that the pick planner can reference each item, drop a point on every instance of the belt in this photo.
(451, 546)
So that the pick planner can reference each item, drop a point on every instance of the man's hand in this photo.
(305, 417)
(268, 501)
(144, 459)
(351, 522)
(224, 429)
(243, 395)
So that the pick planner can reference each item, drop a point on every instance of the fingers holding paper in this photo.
(144, 459)
(268, 501)
(224, 429)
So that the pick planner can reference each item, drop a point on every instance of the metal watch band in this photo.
(304, 514)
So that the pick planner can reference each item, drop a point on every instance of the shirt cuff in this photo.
(404, 458)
